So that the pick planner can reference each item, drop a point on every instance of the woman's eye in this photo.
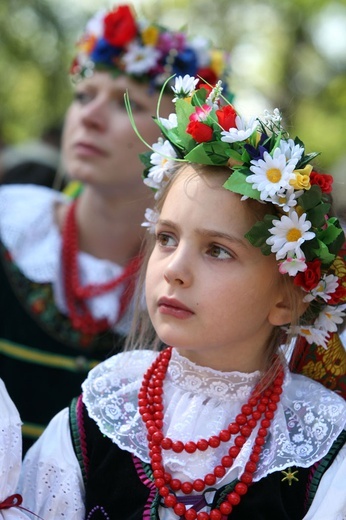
(165, 240)
(83, 97)
(219, 252)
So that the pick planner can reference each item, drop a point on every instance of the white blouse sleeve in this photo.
(10, 454)
(330, 499)
(51, 481)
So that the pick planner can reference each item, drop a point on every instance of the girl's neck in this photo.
(108, 227)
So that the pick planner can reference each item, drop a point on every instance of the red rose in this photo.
(339, 295)
(324, 181)
(199, 131)
(207, 75)
(120, 26)
(310, 278)
(226, 117)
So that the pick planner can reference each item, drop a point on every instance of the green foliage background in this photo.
(282, 53)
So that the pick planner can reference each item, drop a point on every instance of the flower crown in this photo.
(114, 41)
(269, 167)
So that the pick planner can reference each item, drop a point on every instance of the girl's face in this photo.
(99, 145)
(210, 293)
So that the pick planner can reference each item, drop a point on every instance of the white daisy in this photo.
(326, 286)
(330, 317)
(242, 131)
(169, 123)
(139, 59)
(286, 199)
(293, 152)
(184, 87)
(162, 160)
(271, 175)
(311, 334)
(292, 265)
(288, 234)
(151, 217)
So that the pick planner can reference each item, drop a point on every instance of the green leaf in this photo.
(199, 97)
(330, 234)
(199, 155)
(310, 198)
(324, 254)
(259, 233)
(317, 214)
(183, 111)
(237, 183)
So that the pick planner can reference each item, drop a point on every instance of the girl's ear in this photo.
(288, 308)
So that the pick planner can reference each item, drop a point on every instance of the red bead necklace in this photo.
(76, 295)
(261, 406)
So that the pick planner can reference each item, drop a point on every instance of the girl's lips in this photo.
(174, 308)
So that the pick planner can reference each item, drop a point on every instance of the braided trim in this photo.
(79, 436)
(145, 475)
(320, 467)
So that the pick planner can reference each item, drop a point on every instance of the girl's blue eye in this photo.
(219, 252)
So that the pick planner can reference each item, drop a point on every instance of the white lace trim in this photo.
(29, 231)
(199, 402)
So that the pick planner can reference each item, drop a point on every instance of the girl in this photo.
(67, 265)
(215, 425)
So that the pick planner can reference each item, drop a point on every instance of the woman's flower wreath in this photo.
(116, 42)
(267, 166)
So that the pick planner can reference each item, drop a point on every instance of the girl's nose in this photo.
(178, 270)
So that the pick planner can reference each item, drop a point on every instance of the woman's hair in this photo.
(143, 335)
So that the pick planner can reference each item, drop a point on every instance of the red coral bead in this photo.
(241, 488)
(198, 484)
(190, 514)
(210, 479)
(215, 514)
(202, 444)
(177, 446)
(190, 447)
(226, 508)
(186, 488)
(179, 509)
(233, 498)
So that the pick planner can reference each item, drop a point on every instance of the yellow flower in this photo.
(150, 35)
(87, 44)
(302, 180)
(217, 63)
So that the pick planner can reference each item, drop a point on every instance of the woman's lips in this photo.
(174, 308)
(88, 150)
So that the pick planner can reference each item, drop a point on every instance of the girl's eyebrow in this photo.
(209, 233)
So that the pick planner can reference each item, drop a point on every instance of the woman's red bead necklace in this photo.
(76, 294)
(261, 406)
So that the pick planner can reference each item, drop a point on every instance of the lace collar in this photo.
(29, 231)
(199, 402)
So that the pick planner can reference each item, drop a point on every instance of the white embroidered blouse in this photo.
(199, 402)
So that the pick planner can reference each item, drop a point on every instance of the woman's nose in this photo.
(96, 114)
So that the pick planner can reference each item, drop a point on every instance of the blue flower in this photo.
(105, 53)
(186, 63)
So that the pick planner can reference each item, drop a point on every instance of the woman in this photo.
(68, 266)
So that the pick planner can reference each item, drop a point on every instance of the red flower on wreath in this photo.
(226, 117)
(120, 26)
(199, 131)
(339, 295)
(310, 278)
(324, 181)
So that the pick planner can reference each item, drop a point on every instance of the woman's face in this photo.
(99, 144)
(209, 292)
